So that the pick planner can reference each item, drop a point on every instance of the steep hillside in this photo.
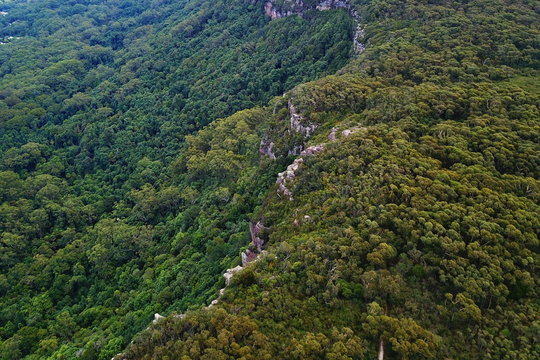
(279, 179)
(403, 220)
(99, 229)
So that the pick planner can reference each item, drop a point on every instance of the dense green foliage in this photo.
(99, 229)
(419, 231)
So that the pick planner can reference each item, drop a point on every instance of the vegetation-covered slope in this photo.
(413, 233)
(98, 231)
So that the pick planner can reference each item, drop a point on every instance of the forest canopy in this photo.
(98, 228)
(391, 198)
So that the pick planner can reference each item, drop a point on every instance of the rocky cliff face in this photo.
(280, 8)
(277, 9)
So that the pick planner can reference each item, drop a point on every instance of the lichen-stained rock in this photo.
(354, 130)
(312, 150)
(278, 9)
(289, 7)
(248, 256)
(255, 230)
(157, 317)
(299, 123)
(334, 4)
(267, 148)
(296, 150)
(229, 274)
(332, 135)
(290, 173)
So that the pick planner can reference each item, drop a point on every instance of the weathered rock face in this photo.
(354, 130)
(229, 274)
(332, 135)
(299, 123)
(290, 7)
(290, 174)
(157, 318)
(248, 256)
(312, 150)
(267, 148)
(255, 230)
(278, 9)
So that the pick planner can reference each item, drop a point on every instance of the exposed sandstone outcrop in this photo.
(267, 148)
(296, 150)
(279, 9)
(255, 230)
(157, 317)
(292, 7)
(229, 274)
(345, 133)
(248, 256)
(290, 174)
(332, 135)
(299, 123)
(354, 130)
(312, 150)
